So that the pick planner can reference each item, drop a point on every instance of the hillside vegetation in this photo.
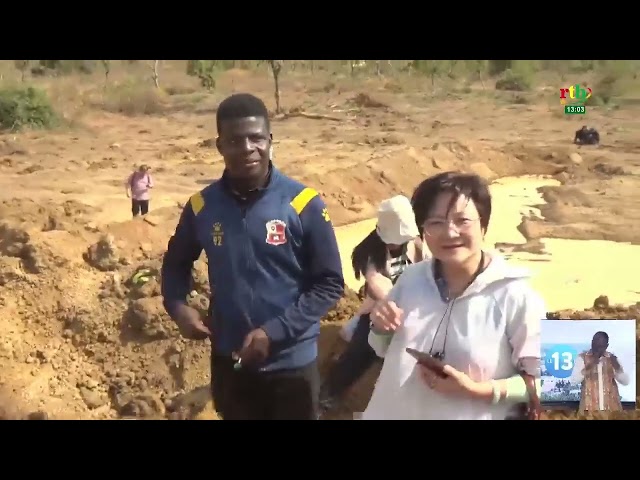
(30, 98)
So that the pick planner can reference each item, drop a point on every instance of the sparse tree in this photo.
(155, 66)
(23, 68)
(496, 67)
(205, 71)
(432, 68)
(276, 68)
(452, 66)
(106, 65)
(479, 68)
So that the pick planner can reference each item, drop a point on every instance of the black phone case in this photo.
(428, 361)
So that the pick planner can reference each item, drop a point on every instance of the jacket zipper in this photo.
(248, 263)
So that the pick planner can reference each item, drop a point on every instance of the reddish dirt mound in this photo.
(601, 309)
(101, 344)
(69, 215)
(95, 339)
(88, 342)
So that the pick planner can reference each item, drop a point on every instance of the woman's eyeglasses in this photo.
(435, 227)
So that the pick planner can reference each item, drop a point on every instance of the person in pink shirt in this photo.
(138, 185)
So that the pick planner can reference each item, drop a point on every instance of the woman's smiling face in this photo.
(452, 229)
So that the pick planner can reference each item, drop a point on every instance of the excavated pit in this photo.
(80, 339)
(95, 337)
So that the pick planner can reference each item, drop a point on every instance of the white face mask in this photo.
(271, 152)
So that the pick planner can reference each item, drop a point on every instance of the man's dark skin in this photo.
(244, 144)
(599, 345)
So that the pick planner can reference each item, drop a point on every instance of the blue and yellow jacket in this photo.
(273, 264)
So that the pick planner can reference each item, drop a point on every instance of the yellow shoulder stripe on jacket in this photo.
(303, 199)
(197, 203)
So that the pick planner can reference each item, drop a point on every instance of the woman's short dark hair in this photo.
(370, 250)
(470, 185)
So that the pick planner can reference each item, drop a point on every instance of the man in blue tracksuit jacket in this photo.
(274, 270)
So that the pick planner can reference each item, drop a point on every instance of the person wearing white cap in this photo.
(380, 258)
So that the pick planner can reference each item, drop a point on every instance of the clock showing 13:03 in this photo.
(560, 360)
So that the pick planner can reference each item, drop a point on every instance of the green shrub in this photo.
(609, 87)
(514, 81)
(206, 70)
(134, 99)
(26, 107)
(65, 67)
(496, 67)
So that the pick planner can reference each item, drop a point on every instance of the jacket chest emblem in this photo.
(276, 232)
(217, 234)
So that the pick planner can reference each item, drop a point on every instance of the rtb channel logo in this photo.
(560, 360)
(575, 95)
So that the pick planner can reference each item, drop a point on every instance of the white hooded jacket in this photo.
(492, 326)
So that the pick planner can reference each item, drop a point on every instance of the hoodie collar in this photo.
(498, 270)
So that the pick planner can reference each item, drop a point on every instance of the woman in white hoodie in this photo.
(380, 258)
(467, 308)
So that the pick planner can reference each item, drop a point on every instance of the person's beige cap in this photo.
(396, 221)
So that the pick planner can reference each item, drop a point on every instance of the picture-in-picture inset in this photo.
(588, 365)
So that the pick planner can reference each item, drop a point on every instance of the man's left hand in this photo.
(255, 348)
(456, 383)
(615, 363)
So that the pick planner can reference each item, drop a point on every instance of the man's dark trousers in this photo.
(249, 394)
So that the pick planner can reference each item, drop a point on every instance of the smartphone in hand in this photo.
(429, 361)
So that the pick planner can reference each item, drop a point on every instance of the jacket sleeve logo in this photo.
(276, 232)
(218, 234)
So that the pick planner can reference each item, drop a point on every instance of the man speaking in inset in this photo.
(599, 372)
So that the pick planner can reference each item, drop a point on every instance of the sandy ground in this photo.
(80, 341)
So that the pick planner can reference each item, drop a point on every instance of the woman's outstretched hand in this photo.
(386, 317)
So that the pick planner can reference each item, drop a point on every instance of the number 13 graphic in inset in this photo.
(567, 361)
(560, 361)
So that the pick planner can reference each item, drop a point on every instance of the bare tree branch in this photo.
(155, 72)
(276, 68)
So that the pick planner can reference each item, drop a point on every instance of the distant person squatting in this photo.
(587, 136)
(380, 258)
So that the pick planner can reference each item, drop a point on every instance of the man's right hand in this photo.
(615, 363)
(190, 323)
(386, 316)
